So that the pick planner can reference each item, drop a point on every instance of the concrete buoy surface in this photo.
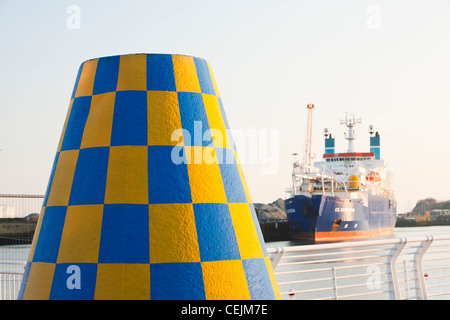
(146, 198)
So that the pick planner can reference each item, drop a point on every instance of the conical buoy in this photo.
(146, 198)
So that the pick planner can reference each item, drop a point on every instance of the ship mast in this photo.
(350, 123)
(308, 145)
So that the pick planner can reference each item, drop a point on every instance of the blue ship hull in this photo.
(322, 218)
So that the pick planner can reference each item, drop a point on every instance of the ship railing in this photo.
(387, 269)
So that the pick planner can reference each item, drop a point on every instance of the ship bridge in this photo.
(349, 156)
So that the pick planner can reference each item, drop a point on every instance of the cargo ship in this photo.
(347, 196)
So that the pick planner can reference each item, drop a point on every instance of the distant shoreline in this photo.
(420, 221)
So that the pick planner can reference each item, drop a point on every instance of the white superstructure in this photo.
(351, 174)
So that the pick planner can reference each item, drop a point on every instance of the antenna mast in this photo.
(308, 149)
(350, 123)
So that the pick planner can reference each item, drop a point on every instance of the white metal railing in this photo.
(10, 284)
(13, 248)
(398, 268)
(11, 274)
(21, 204)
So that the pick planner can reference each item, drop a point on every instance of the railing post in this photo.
(420, 281)
(393, 270)
(335, 283)
(278, 254)
(405, 270)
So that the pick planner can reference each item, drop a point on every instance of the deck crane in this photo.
(308, 144)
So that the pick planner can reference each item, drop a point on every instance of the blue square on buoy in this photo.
(231, 178)
(204, 76)
(168, 180)
(74, 281)
(89, 181)
(125, 234)
(160, 74)
(215, 232)
(258, 279)
(76, 123)
(176, 281)
(77, 80)
(194, 119)
(106, 75)
(50, 233)
(129, 127)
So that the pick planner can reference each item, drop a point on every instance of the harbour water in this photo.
(407, 232)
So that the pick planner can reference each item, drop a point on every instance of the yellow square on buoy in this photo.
(81, 247)
(69, 111)
(225, 280)
(86, 81)
(127, 178)
(132, 72)
(273, 280)
(163, 117)
(173, 239)
(244, 227)
(203, 166)
(216, 123)
(122, 281)
(39, 287)
(186, 79)
(97, 131)
(36, 234)
(62, 180)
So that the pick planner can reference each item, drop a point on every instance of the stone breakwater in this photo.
(17, 230)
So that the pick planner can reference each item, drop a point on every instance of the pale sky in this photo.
(386, 61)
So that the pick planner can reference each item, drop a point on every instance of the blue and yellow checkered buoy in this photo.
(146, 198)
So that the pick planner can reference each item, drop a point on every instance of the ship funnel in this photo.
(329, 141)
(135, 208)
(375, 143)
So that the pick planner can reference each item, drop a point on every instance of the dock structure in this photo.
(147, 198)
